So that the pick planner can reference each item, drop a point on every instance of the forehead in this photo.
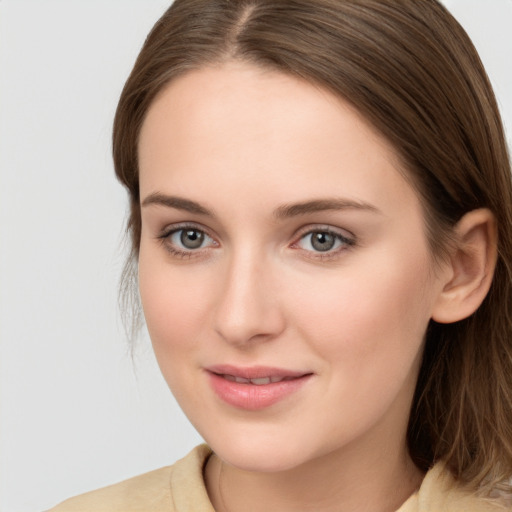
(241, 127)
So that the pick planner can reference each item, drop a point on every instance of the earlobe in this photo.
(471, 266)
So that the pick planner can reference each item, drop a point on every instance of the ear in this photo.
(470, 267)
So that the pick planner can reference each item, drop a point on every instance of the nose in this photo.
(248, 308)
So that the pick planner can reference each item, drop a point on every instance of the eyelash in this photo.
(344, 241)
(166, 235)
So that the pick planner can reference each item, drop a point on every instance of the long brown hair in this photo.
(411, 69)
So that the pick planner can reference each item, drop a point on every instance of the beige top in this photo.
(180, 488)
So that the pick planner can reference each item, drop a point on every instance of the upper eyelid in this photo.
(172, 228)
(320, 228)
(298, 234)
(164, 239)
(348, 241)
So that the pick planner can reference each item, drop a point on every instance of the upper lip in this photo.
(255, 372)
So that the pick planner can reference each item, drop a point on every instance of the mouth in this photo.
(255, 388)
(261, 381)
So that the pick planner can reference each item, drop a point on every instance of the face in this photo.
(284, 271)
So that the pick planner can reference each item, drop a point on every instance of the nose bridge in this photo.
(248, 307)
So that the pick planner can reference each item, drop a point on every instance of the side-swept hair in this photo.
(412, 71)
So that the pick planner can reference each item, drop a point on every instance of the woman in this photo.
(321, 222)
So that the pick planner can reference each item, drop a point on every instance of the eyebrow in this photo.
(320, 205)
(282, 212)
(178, 203)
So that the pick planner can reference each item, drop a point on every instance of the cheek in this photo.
(367, 329)
(172, 308)
(174, 318)
(370, 318)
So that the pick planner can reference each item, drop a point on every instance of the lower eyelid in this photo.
(345, 241)
(177, 250)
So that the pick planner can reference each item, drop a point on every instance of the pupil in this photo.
(323, 241)
(191, 238)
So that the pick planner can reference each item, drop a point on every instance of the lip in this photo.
(254, 396)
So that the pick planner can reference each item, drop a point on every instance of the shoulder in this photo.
(175, 488)
(439, 492)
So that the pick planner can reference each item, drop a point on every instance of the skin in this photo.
(244, 143)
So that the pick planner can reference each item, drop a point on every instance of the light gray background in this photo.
(76, 412)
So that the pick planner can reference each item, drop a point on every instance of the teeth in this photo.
(261, 381)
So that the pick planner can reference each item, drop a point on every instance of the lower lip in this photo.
(253, 397)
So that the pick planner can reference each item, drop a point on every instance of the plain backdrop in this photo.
(77, 412)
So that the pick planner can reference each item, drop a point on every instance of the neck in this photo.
(353, 482)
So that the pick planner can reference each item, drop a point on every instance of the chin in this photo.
(260, 461)
(265, 455)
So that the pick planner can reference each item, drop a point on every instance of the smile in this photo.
(262, 381)
(254, 388)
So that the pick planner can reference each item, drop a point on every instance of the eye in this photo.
(188, 238)
(324, 241)
(186, 241)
